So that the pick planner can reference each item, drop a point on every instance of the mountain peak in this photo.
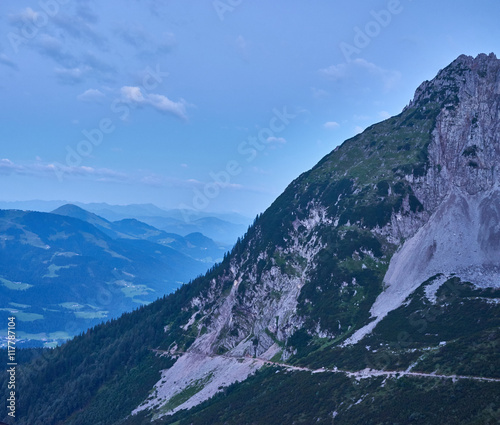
(465, 76)
(74, 211)
(66, 208)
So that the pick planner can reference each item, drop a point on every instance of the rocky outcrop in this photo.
(260, 307)
(421, 190)
(465, 148)
(460, 191)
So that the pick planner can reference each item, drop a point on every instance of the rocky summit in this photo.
(368, 292)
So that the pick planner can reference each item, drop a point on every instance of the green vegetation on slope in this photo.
(276, 396)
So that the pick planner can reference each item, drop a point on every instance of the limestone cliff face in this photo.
(460, 227)
(456, 135)
(465, 148)
(258, 307)
(350, 240)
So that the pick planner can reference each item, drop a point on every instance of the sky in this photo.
(215, 105)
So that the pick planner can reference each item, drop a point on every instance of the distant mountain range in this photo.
(221, 227)
(64, 271)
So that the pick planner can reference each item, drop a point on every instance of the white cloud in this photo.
(158, 101)
(384, 115)
(132, 94)
(331, 125)
(71, 75)
(358, 129)
(8, 167)
(335, 72)
(273, 139)
(164, 104)
(91, 95)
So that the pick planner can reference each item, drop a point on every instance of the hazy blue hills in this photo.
(63, 272)
(224, 228)
(194, 245)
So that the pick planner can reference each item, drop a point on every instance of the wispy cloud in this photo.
(166, 43)
(331, 125)
(71, 40)
(39, 168)
(159, 102)
(8, 167)
(242, 47)
(25, 16)
(55, 170)
(279, 140)
(359, 117)
(260, 171)
(91, 95)
(335, 72)
(389, 77)
(384, 115)
(72, 75)
(89, 67)
(143, 42)
(319, 93)
(59, 171)
(52, 48)
(97, 64)
(134, 36)
(341, 71)
(5, 60)
(79, 28)
(85, 13)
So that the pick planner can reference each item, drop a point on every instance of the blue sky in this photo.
(213, 105)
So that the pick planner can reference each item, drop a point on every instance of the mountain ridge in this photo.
(177, 221)
(399, 150)
(305, 284)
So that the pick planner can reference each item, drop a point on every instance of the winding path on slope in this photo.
(361, 374)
